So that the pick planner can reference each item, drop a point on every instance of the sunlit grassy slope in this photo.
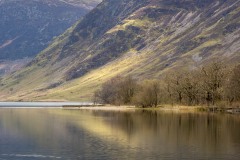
(145, 39)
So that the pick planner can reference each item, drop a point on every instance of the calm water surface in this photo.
(84, 134)
(40, 104)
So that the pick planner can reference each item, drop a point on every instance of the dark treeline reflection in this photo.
(135, 134)
(203, 135)
(202, 129)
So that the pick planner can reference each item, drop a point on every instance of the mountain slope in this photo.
(143, 38)
(27, 26)
(88, 4)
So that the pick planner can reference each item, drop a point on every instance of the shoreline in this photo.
(101, 107)
(132, 108)
(107, 107)
(177, 108)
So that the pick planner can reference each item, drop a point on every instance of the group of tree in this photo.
(128, 91)
(210, 85)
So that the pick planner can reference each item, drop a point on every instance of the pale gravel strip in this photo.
(133, 108)
(104, 108)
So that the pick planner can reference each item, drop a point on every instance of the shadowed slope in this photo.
(145, 38)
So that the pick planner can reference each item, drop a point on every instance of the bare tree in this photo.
(108, 93)
(232, 88)
(126, 89)
(117, 91)
(213, 77)
(201, 86)
(174, 86)
(190, 88)
(148, 94)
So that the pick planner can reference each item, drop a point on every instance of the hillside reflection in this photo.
(109, 134)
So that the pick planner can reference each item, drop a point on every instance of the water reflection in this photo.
(86, 134)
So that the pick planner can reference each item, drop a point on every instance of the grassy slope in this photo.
(170, 41)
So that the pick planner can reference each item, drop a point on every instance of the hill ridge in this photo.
(142, 38)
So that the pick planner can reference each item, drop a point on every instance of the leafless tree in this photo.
(190, 88)
(126, 89)
(232, 88)
(117, 91)
(174, 86)
(212, 78)
(148, 94)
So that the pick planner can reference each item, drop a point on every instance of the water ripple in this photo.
(30, 156)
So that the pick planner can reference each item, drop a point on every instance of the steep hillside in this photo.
(88, 4)
(7, 67)
(144, 38)
(27, 26)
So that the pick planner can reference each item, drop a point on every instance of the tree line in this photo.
(211, 85)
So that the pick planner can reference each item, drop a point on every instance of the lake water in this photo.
(41, 104)
(29, 134)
